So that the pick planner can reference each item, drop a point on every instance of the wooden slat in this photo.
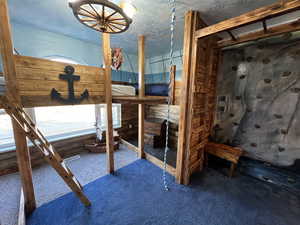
(272, 31)
(129, 145)
(262, 13)
(171, 170)
(50, 65)
(172, 84)
(141, 113)
(34, 101)
(139, 100)
(37, 77)
(190, 27)
(108, 100)
(9, 69)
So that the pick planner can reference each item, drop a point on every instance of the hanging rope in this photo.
(172, 28)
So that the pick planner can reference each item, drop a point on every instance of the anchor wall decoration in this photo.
(70, 78)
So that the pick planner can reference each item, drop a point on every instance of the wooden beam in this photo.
(272, 31)
(9, 69)
(140, 100)
(262, 13)
(141, 62)
(172, 84)
(170, 169)
(129, 145)
(189, 29)
(108, 100)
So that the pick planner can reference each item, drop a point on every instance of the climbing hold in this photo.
(281, 149)
(278, 116)
(234, 68)
(283, 131)
(231, 115)
(295, 90)
(235, 124)
(235, 142)
(254, 145)
(222, 98)
(261, 46)
(287, 36)
(221, 109)
(257, 126)
(266, 61)
(267, 81)
(217, 127)
(249, 59)
(286, 73)
(242, 77)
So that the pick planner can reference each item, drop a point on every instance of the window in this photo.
(116, 113)
(60, 122)
(6, 131)
(65, 120)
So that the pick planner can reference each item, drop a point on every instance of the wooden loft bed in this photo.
(29, 81)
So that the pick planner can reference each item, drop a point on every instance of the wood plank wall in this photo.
(160, 111)
(197, 96)
(203, 100)
(129, 129)
(36, 78)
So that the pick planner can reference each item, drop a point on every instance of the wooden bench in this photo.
(226, 152)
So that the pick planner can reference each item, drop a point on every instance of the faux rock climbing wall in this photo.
(258, 100)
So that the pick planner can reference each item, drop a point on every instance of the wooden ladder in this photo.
(41, 143)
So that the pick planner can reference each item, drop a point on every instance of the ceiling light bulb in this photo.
(128, 9)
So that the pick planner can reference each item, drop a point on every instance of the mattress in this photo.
(123, 90)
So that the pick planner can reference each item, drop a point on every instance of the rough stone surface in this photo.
(265, 121)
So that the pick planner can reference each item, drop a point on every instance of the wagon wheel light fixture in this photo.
(103, 15)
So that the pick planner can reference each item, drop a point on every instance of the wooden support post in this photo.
(141, 62)
(9, 69)
(108, 100)
(189, 29)
(172, 84)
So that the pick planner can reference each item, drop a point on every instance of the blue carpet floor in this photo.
(134, 196)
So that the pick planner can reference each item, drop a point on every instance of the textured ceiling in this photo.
(151, 20)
